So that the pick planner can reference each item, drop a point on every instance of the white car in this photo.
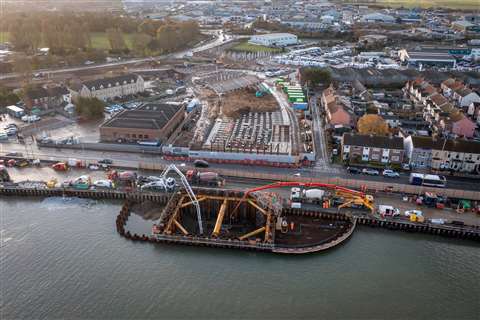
(108, 184)
(370, 172)
(390, 174)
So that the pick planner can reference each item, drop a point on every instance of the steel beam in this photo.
(221, 214)
(253, 233)
(179, 226)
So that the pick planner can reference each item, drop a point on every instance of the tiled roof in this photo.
(373, 141)
(456, 145)
(112, 81)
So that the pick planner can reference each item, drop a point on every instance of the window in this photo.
(140, 136)
(146, 136)
(134, 135)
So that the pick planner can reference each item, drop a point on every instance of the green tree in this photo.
(7, 98)
(316, 76)
(90, 108)
(140, 42)
(116, 40)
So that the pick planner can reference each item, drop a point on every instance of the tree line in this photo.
(69, 33)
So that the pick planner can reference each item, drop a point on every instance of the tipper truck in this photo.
(205, 178)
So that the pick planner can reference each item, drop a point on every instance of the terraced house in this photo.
(357, 148)
(456, 155)
(110, 88)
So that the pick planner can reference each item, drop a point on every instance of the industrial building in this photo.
(152, 122)
(274, 39)
(427, 58)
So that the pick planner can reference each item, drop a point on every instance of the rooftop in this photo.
(456, 145)
(274, 35)
(113, 81)
(387, 142)
(150, 116)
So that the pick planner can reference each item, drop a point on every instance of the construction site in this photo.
(239, 118)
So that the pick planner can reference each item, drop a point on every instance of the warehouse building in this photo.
(427, 58)
(274, 39)
(151, 122)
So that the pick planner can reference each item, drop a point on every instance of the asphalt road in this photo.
(132, 160)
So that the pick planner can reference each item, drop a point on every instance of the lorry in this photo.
(205, 178)
(316, 196)
(125, 178)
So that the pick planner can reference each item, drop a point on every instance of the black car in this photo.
(354, 170)
(200, 164)
(14, 154)
(105, 161)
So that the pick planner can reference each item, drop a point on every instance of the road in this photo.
(133, 160)
(220, 39)
(323, 160)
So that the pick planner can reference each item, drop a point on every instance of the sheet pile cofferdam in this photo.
(233, 219)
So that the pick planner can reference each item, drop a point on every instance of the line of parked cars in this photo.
(387, 173)
(9, 130)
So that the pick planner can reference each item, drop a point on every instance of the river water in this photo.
(61, 258)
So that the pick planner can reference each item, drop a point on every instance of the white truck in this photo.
(314, 196)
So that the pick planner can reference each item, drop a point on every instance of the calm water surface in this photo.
(61, 258)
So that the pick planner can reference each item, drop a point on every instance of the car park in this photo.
(370, 171)
(390, 174)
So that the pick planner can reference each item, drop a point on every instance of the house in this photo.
(449, 85)
(334, 109)
(464, 96)
(456, 155)
(458, 124)
(46, 97)
(110, 88)
(473, 111)
(369, 148)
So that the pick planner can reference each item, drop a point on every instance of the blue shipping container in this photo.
(300, 105)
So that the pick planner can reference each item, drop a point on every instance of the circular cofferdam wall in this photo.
(306, 234)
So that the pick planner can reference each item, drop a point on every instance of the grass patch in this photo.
(248, 47)
(4, 35)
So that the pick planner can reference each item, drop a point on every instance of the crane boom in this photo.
(189, 190)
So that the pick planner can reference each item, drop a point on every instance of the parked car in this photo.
(354, 170)
(14, 154)
(200, 163)
(107, 184)
(370, 172)
(105, 161)
(390, 173)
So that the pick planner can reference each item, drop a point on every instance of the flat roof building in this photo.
(274, 39)
(153, 121)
